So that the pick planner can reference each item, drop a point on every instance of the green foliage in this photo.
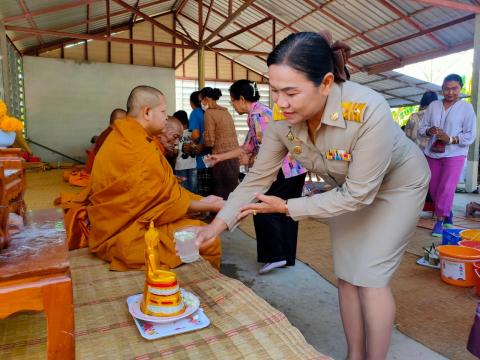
(401, 114)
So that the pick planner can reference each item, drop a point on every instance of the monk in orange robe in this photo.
(81, 177)
(132, 184)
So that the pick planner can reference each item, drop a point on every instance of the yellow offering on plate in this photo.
(162, 296)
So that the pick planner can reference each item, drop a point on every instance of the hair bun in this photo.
(340, 54)
(216, 94)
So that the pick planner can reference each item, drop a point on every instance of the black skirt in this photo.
(277, 233)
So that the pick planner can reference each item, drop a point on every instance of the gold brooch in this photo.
(290, 136)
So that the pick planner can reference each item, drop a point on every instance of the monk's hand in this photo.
(266, 204)
(215, 202)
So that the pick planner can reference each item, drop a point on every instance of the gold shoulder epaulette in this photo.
(353, 111)
(277, 113)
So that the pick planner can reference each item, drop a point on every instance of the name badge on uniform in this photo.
(339, 155)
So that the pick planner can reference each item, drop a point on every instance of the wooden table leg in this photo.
(58, 306)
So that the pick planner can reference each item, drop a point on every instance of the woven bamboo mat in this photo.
(459, 221)
(243, 326)
(431, 312)
(43, 187)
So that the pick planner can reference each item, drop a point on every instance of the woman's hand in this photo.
(267, 204)
(215, 159)
(244, 158)
(206, 234)
(441, 135)
(432, 131)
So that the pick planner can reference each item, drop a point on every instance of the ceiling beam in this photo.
(152, 21)
(229, 19)
(48, 10)
(344, 24)
(238, 32)
(280, 21)
(98, 37)
(412, 22)
(417, 34)
(180, 6)
(186, 32)
(95, 19)
(206, 18)
(241, 48)
(29, 17)
(453, 5)
(426, 55)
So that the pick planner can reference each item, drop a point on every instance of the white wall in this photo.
(68, 102)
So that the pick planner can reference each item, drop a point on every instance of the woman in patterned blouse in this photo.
(276, 233)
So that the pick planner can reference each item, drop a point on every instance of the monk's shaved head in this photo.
(170, 136)
(142, 96)
(173, 125)
(148, 107)
(117, 114)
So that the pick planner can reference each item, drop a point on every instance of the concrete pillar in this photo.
(201, 68)
(4, 87)
(472, 159)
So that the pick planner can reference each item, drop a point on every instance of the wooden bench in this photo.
(12, 189)
(35, 275)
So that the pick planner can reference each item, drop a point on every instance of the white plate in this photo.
(152, 331)
(191, 301)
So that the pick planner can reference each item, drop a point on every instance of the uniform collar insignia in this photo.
(277, 113)
(353, 111)
(333, 114)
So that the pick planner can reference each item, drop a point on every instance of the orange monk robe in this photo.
(132, 184)
(81, 177)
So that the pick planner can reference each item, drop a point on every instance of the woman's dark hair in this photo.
(427, 98)
(453, 77)
(307, 52)
(246, 88)
(194, 99)
(182, 116)
(210, 93)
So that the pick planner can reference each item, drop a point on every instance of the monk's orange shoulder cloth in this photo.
(132, 184)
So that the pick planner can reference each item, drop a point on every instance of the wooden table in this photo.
(12, 189)
(243, 325)
(35, 275)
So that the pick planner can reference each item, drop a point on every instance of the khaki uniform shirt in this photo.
(356, 122)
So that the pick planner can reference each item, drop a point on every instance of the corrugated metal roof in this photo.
(365, 25)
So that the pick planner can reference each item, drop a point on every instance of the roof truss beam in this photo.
(238, 32)
(229, 19)
(152, 21)
(417, 34)
(48, 10)
(453, 5)
(99, 37)
(95, 19)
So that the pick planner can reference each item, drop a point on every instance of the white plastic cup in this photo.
(207, 161)
(185, 239)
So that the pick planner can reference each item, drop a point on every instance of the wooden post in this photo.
(201, 68)
(5, 88)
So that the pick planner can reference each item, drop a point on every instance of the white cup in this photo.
(206, 161)
(185, 245)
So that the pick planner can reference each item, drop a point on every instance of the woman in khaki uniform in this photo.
(343, 132)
